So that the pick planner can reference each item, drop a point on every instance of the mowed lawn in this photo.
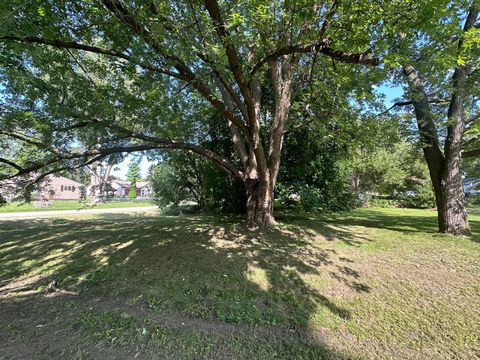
(71, 205)
(368, 284)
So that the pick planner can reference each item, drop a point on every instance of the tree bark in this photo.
(444, 167)
(259, 209)
(452, 215)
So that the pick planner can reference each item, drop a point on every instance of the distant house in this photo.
(60, 188)
(51, 188)
(471, 186)
(121, 188)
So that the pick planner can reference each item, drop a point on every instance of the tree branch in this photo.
(223, 163)
(322, 47)
(232, 56)
(471, 153)
(24, 139)
(74, 45)
(11, 163)
(156, 144)
(185, 74)
(472, 119)
(409, 102)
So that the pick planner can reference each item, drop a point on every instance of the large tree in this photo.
(440, 68)
(110, 76)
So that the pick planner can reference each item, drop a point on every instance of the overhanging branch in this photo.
(471, 153)
(155, 144)
(11, 163)
(320, 46)
(94, 49)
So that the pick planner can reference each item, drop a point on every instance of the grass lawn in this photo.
(368, 284)
(70, 205)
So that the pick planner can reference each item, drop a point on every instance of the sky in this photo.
(391, 93)
(121, 169)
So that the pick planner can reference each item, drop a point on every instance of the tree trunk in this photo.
(444, 167)
(452, 215)
(259, 203)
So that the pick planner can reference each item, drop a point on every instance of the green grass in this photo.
(371, 283)
(71, 205)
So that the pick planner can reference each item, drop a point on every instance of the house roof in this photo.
(64, 178)
(125, 183)
(141, 184)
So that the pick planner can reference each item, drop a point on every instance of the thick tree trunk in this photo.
(450, 200)
(452, 215)
(259, 204)
(444, 167)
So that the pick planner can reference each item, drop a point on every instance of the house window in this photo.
(67, 188)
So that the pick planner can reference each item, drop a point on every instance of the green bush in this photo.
(287, 197)
(309, 199)
(422, 198)
(473, 200)
(132, 193)
(382, 203)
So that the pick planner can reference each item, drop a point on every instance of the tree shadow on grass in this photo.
(404, 221)
(187, 266)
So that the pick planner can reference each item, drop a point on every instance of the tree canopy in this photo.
(84, 81)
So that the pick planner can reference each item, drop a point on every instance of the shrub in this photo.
(422, 198)
(132, 193)
(382, 203)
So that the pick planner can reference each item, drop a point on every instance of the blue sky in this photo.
(391, 93)
(123, 167)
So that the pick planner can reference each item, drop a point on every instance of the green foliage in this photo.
(133, 173)
(313, 180)
(169, 187)
(381, 203)
(186, 177)
(222, 193)
(391, 176)
(471, 167)
(310, 198)
(132, 192)
(422, 198)
(474, 200)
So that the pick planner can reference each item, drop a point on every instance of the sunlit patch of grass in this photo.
(71, 205)
(378, 281)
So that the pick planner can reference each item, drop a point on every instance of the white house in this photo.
(122, 187)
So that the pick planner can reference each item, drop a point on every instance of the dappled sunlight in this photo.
(21, 286)
(277, 266)
(258, 276)
(319, 276)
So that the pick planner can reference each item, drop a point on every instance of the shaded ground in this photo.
(366, 284)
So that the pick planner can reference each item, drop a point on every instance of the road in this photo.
(54, 213)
